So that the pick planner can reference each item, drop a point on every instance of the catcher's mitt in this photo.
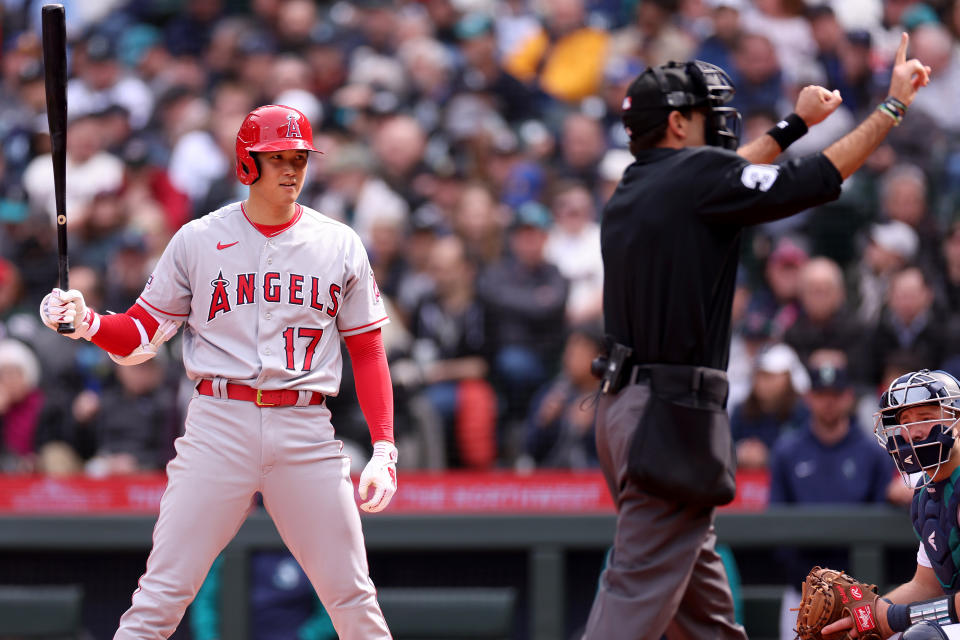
(827, 595)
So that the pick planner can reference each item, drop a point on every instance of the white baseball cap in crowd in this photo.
(897, 237)
(614, 163)
(736, 5)
(780, 358)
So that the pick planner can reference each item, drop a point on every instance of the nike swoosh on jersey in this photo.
(222, 246)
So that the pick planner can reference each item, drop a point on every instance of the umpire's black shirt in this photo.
(670, 239)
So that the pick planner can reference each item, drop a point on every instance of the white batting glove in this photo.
(381, 472)
(67, 306)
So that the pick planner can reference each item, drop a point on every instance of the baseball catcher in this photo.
(917, 425)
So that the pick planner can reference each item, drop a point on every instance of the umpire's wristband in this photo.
(788, 130)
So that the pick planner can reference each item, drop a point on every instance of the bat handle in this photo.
(64, 327)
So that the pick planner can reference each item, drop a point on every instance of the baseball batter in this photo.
(265, 289)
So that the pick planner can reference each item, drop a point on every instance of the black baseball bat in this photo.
(55, 74)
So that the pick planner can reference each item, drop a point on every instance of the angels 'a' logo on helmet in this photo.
(293, 127)
(917, 422)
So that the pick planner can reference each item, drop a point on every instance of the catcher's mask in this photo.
(273, 127)
(683, 85)
(937, 389)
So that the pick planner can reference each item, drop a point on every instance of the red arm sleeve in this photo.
(118, 333)
(372, 379)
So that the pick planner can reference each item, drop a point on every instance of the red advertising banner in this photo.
(420, 492)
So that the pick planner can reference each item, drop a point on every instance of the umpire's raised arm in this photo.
(850, 152)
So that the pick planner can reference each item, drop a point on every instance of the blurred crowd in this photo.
(472, 145)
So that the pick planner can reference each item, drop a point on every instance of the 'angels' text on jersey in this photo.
(275, 287)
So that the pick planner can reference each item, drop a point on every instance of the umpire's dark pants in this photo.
(664, 576)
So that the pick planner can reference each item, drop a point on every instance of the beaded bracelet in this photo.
(893, 108)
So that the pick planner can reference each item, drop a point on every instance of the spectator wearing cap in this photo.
(483, 72)
(717, 48)
(23, 104)
(908, 321)
(515, 176)
(824, 321)
(829, 460)
(430, 67)
(21, 401)
(425, 230)
(188, 32)
(573, 245)
(97, 234)
(373, 62)
(559, 430)
(773, 406)
(750, 334)
(844, 58)
(526, 297)
(146, 184)
(617, 75)
(565, 57)
(582, 145)
(890, 247)
(653, 36)
(102, 82)
(128, 267)
(904, 191)
(776, 299)
(756, 74)
(947, 280)
(480, 221)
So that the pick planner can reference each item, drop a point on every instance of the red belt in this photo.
(260, 397)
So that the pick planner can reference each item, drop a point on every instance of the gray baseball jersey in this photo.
(266, 311)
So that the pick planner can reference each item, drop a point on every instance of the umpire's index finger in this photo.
(902, 49)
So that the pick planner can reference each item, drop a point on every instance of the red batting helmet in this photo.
(273, 127)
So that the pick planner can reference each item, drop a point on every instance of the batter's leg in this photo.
(210, 488)
(309, 495)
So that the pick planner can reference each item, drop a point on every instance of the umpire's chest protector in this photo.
(934, 513)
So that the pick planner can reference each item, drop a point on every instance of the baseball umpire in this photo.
(670, 241)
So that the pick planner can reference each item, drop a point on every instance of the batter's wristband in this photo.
(788, 130)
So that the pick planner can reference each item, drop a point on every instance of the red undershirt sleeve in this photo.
(372, 379)
(119, 334)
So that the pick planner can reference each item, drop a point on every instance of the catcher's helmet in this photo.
(919, 388)
(273, 127)
(683, 85)
(925, 630)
